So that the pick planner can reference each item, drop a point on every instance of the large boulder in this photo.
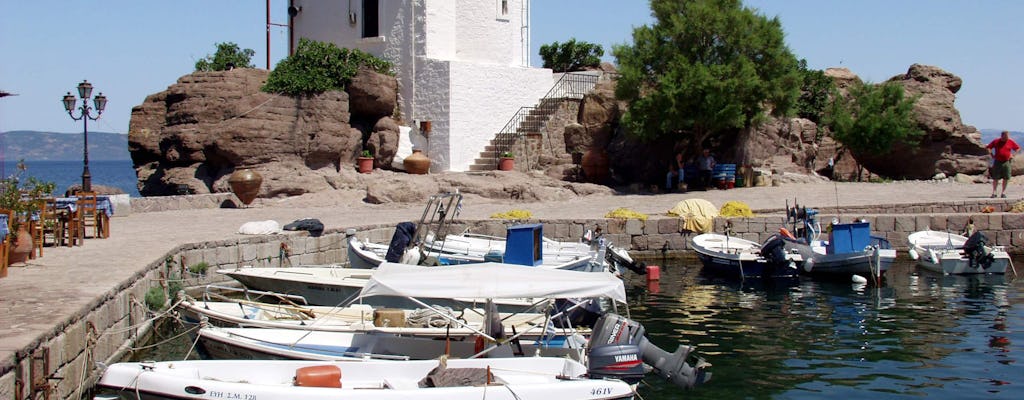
(192, 136)
(373, 95)
(948, 146)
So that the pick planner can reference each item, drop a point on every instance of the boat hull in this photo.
(943, 252)
(246, 380)
(737, 258)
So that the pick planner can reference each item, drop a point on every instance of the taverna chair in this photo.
(88, 215)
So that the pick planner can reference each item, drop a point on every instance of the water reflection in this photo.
(917, 334)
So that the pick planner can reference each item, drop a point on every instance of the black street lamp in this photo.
(100, 102)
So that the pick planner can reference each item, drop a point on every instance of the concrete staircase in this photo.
(524, 132)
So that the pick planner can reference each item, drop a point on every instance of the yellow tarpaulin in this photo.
(697, 214)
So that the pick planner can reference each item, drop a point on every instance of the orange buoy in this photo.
(327, 376)
(653, 273)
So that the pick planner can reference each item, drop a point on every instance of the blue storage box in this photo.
(524, 244)
(849, 238)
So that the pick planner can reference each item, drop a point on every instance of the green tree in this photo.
(571, 56)
(228, 55)
(317, 67)
(704, 67)
(872, 119)
(815, 91)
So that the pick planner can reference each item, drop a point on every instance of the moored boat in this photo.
(511, 378)
(950, 253)
(737, 258)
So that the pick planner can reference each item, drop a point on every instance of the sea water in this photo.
(917, 335)
(114, 173)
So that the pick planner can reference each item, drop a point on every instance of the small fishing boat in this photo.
(536, 378)
(950, 253)
(550, 333)
(849, 248)
(738, 258)
(428, 242)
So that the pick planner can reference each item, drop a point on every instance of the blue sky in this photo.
(129, 49)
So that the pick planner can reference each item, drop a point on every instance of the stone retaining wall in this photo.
(109, 326)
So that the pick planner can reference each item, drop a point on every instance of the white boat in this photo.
(328, 286)
(363, 254)
(530, 335)
(528, 378)
(738, 258)
(848, 248)
(429, 241)
(950, 253)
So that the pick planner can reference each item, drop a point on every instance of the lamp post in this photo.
(100, 102)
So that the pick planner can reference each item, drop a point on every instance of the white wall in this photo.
(460, 64)
(484, 98)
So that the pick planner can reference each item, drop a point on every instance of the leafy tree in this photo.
(704, 67)
(571, 56)
(815, 91)
(317, 67)
(228, 55)
(872, 119)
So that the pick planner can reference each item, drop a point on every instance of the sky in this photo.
(129, 49)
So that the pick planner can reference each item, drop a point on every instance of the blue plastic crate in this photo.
(849, 238)
(524, 244)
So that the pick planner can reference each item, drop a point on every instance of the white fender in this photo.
(859, 279)
(809, 264)
(913, 254)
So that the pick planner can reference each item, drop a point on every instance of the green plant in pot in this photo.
(365, 162)
(507, 161)
(23, 197)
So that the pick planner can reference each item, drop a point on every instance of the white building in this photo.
(463, 65)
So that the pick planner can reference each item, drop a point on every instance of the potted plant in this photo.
(23, 198)
(365, 162)
(507, 162)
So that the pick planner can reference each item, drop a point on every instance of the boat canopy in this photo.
(490, 280)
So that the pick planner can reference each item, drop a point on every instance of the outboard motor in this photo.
(616, 361)
(616, 330)
(620, 258)
(404, 233)
(773, 251)
(978, 255)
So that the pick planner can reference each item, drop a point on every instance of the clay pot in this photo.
(365, 164)
(21, 248)
(245, 183)
(506, 164)
(417, 163)
(595, 165)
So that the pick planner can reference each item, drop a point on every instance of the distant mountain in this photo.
(988, 135)
(49, 146)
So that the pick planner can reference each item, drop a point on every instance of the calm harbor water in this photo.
(116, 173)
(919, 334)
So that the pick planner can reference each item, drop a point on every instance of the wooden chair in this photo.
(88, 215)
(54, 223)
(5, 245)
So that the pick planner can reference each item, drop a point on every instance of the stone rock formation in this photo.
(191, 137)
(948, 146)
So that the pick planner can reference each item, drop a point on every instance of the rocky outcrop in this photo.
(948, 146)
(192, 136)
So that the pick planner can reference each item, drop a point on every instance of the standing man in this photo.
(1003, 150)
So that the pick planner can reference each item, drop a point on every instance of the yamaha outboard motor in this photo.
(619, 257)
(616, 361)
(616, 331)
(978, 255)
(400, 241)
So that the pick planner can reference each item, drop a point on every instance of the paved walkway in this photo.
(47, 293)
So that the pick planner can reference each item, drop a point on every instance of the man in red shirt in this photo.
(1003, 150)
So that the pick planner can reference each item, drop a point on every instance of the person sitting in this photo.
(676, 175)
(705, 165)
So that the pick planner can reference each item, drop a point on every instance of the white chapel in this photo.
(462, 65)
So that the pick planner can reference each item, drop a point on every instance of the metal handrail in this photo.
(532, 119)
